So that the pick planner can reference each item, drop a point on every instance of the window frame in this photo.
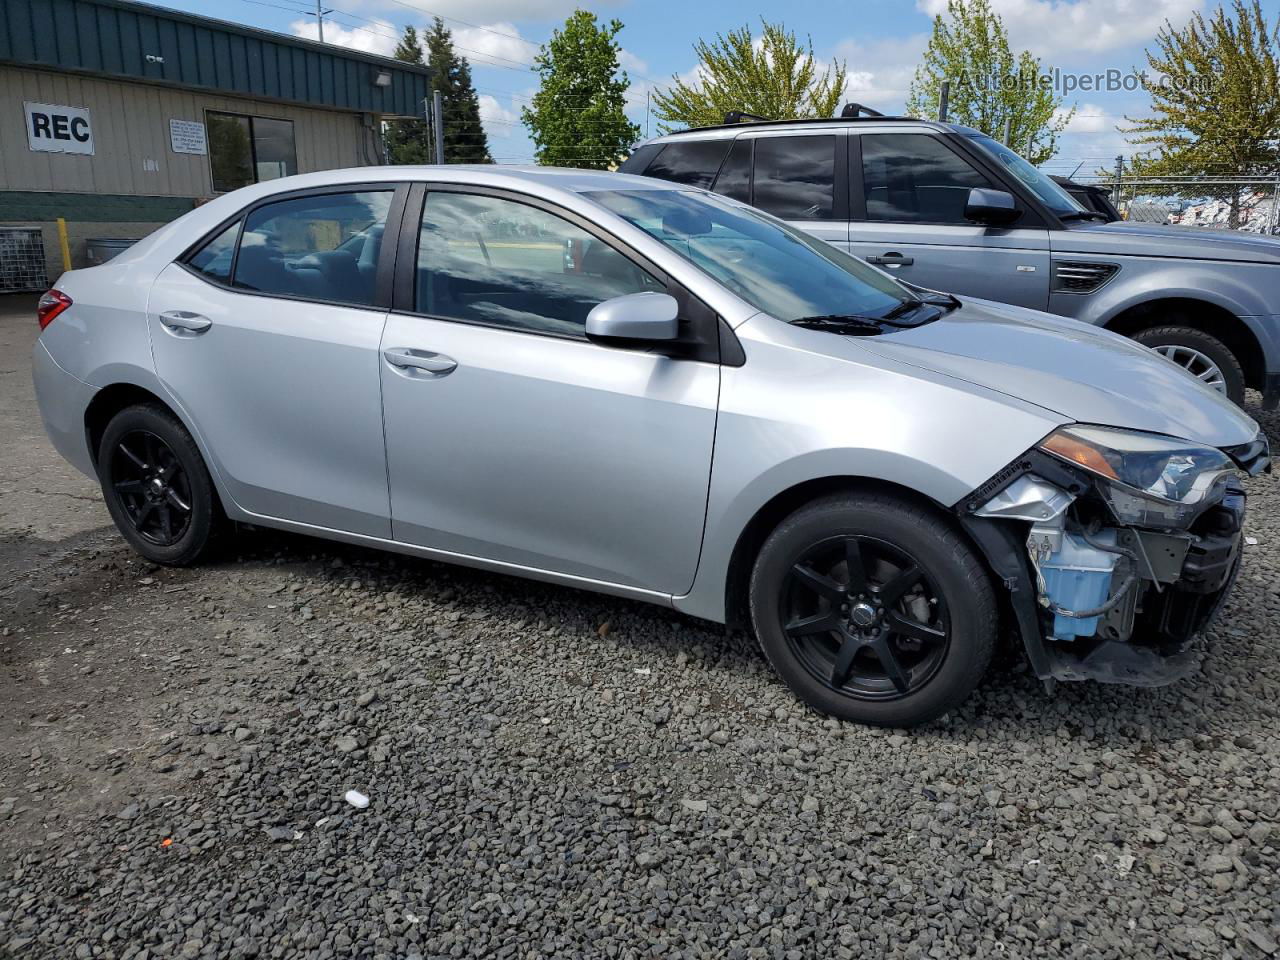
(253, 145)
(391, 235)
(688, 142)
(839, 177)
(1032, 214)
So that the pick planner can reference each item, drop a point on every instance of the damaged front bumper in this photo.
(1094, 598)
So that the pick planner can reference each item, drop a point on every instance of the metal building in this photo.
(118, 116)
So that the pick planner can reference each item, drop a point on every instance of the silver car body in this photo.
(621, 471)
(1197, 269)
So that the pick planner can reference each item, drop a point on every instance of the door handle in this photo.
(892, 260)
(185, 322)
(410, 361)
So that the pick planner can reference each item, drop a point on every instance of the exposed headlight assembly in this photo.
(1150, 480)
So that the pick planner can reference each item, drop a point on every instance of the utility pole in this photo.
(646, 113)
(1115, 198)
(1008, 131)
(437, 124)
(944, 99)
(320, 15)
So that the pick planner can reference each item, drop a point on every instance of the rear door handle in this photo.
(410, 362)
(892, 260)
(185, 322)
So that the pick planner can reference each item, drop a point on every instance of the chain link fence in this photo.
(1249, 204)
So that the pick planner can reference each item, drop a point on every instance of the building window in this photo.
(245, 150)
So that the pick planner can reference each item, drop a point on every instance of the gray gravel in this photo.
(556, 774)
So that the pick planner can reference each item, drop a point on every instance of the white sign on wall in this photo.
(187, 136)
(53, 128)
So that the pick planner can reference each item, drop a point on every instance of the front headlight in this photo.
(1151, 480)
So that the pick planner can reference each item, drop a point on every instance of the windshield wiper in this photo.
(906, 306)
(847, 323)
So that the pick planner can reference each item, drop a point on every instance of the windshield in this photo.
(1050, 194)
(781, 271)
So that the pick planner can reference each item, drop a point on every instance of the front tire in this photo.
(156, 486)
(873, 609)
(1203, 356)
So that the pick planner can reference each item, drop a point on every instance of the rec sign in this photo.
(56, 129)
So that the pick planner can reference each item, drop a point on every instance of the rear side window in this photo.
(692, 162)
(917, 178)
(735, 175)
(214, 258)
(795, 177)
(321, 247)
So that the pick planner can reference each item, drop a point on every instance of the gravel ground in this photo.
(551, 773)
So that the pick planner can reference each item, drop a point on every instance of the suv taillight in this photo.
(50, 305)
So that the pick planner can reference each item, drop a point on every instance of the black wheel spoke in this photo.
(144, 512)
(818, 623)
(171, 496)
(853, 560)
(129, 486)
(822, 585)
(844, 661)
(906, 627)
(892, 666)
(894, 589)
(133, 457)
(166, 521)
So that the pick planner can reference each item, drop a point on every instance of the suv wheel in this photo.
(874, 610)
(1203, 356)
(156, 486)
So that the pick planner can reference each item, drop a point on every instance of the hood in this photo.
(1156, 240)
(1079, 371)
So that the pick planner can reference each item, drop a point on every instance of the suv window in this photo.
(214, 258)
(915, 177)
(735, 174)
(795, 177)
(501, 263)
(693, 162)
(322, 247)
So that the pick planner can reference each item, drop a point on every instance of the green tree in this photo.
(778, 79)
(578, 118)
(1215, 109)
(990, 87)
(464, 137)
(408, 141)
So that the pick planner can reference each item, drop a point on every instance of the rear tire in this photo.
(873, 609)
(156, 486)
(1203, 355)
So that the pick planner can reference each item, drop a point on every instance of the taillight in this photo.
(50, 305)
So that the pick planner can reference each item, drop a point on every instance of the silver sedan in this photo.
(622, 385)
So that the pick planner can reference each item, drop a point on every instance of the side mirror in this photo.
(634, 320)
(995, 208)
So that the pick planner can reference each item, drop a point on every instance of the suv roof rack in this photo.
(737, 118)
(852, 111)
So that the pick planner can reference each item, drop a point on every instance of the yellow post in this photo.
(62, 242)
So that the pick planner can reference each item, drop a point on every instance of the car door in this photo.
(799, 177)
(908, 193)
(512, 438)
(267, 337)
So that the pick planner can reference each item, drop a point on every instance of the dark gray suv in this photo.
(948, 208)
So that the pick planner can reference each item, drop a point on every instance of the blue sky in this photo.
(880, 42)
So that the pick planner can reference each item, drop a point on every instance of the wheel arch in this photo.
(1199, 314)
(786, 502)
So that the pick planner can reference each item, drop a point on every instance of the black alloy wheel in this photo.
(874, 608)
(864, 618)
(152, 486)
(156, 485)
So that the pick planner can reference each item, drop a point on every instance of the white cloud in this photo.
(493, 44)
(493, 113)
(1053, 28)
(1088, 118)
(631, 63)
(879, 74)
(380, 36)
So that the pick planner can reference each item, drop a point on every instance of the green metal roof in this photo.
(137, 41)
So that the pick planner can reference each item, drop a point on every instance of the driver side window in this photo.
(915, 178)
(501, 263)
